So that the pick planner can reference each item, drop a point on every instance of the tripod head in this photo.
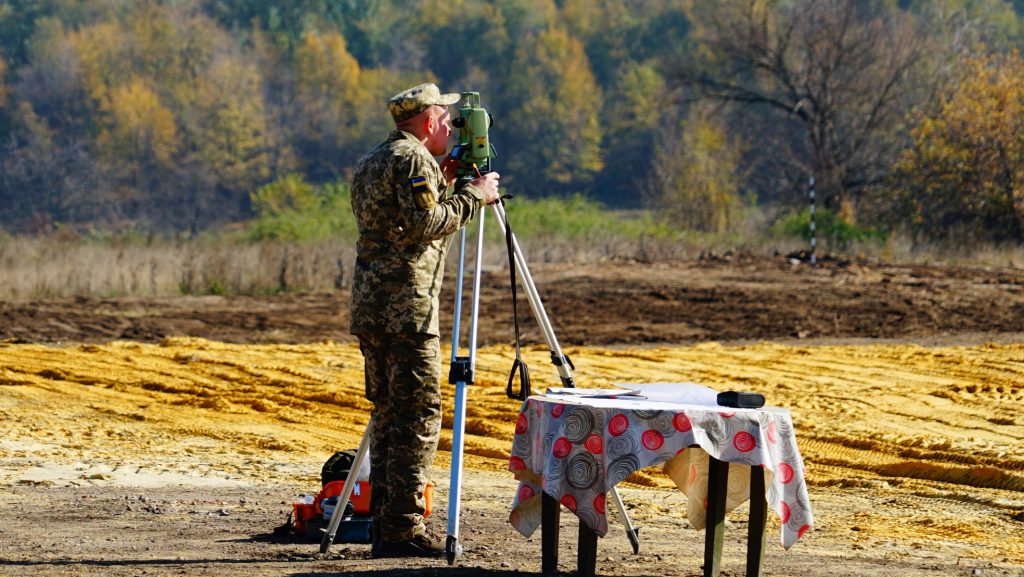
(474, 150)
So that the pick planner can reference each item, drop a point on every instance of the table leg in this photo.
(758, 518)
(718, 480)
(586, 559)
(549, 521)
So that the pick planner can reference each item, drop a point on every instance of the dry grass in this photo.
(34, 268)
(51, 267)
(901, 249)
(58, 267)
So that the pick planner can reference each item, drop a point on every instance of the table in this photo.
(571, 451)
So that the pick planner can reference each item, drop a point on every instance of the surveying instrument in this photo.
(473, 154)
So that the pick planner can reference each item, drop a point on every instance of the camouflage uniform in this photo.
(405, 220)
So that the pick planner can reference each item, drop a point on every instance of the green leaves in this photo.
(555, 106)
(698, 176)
(291, 209)
(832, 232)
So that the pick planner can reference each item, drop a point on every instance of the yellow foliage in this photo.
(155, 44)
(231, 133)
(332, 91)
(35, 126)
(101, 58)
(138, 125)
(699, 176)
(560, 96)
(967, 163)
(639, 103)
(324, 67)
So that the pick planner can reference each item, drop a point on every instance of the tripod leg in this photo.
(452, 547)
(632, 534)
(346, 490)
(534, 297)
(466, 366)
(549, 334)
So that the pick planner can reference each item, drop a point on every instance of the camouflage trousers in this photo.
(403, 381)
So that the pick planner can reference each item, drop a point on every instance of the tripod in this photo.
(461, 374)
(462, 368)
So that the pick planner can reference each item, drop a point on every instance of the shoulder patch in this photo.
(421, 192)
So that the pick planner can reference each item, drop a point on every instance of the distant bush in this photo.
(833, 232)
(578, 218)
(291, 209)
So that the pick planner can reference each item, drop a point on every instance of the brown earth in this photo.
(158, 455)
(734, 298)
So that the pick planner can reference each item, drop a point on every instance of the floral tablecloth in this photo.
(577, 449)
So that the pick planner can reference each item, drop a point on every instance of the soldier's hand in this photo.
(488, 184)
(448, 166)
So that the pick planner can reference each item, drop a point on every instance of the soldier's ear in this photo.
(432, 123)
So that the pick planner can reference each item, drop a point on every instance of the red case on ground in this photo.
(360, 497)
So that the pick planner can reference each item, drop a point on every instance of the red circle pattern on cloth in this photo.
(576, 452)
(652, 440)
(570, 502)
(521, 424)
(743, 441)
(785, 473)
(618, 425)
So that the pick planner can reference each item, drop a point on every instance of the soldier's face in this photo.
(437, 141)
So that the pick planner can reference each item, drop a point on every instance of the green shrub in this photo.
(291, 209)
(833, 232)
(577, 218)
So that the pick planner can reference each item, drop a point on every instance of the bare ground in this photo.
(722, 299)
(110, 529)
(226, 532)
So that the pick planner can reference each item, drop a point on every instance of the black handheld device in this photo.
(741, 400)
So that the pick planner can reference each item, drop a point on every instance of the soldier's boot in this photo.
(419, 546)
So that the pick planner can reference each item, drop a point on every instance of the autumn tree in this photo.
(227, 135)
(552, 131)
(477, 42)
(139, 128)
(334, 107)
(697, 174)
(837, 69)
(619, 34)
(284, 22)
(633, 120)
(48, 177)
(964, 172)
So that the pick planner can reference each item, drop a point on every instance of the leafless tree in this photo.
(838, 69)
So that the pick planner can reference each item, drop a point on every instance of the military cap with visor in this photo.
(412, 101)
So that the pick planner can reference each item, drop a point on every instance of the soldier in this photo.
(406, 216)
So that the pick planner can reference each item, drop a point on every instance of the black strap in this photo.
(286, 528)
(518, 365)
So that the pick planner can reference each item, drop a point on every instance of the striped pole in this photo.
(814, 239)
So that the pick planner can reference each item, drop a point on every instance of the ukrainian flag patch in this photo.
(421, 192)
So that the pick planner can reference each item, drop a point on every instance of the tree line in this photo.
(170, 115)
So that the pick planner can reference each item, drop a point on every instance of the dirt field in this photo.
(719, 299)
(132, 447)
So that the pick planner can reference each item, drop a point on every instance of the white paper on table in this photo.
(592, 393)
(682, 393)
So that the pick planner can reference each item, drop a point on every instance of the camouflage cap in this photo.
(410, 102)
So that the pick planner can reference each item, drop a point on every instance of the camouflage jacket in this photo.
(405, 219)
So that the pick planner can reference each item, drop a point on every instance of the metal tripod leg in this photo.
(462, 369)
(536, 305)
(561, 362)
(346, 490)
